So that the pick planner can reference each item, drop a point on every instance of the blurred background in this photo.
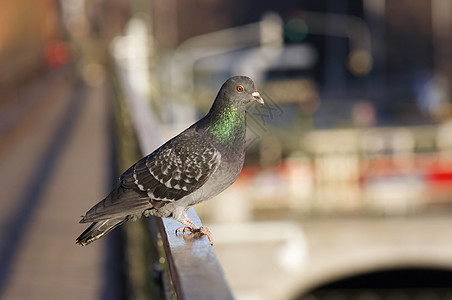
(346, 191)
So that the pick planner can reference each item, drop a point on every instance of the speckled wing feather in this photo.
(175, 170)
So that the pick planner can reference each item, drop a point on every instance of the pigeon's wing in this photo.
(175, 170)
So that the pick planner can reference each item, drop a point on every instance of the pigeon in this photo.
(194, 166)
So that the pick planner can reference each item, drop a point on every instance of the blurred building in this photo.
(349, 164)
(352, 141)
(26, 30)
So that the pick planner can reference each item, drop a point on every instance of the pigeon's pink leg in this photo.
(190, 226)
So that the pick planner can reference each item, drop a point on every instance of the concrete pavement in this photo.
(54, 162)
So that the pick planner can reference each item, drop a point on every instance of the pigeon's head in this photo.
(227, 116)
(242, 89)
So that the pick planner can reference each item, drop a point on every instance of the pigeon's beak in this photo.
(257, 97)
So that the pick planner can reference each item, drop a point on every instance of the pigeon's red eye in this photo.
(240, 88)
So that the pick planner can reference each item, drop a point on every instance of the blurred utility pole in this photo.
(442, 42)
(336, 50)
(374, 14)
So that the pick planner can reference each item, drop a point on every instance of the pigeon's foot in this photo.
(196, 229)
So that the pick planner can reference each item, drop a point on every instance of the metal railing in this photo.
(183, 266)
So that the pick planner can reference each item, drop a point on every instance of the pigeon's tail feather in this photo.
(120, 203)
(99, 229)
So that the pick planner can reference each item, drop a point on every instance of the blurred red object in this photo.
(440, 174)
(57, 54)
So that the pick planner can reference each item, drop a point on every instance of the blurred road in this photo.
(55, 150)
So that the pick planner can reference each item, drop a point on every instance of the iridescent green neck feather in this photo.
(228, 123)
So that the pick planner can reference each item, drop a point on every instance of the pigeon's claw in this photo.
(206, 231)
(184, 229)
(201, 230)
